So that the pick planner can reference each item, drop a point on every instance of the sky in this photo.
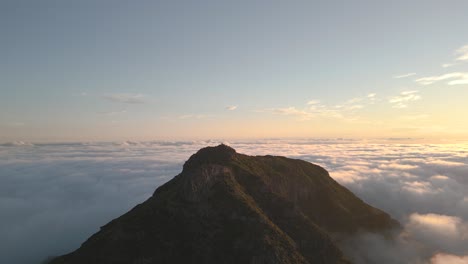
(144, 70)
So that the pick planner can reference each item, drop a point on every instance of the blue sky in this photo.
(111, 70)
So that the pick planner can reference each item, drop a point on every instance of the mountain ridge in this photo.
(233, 208)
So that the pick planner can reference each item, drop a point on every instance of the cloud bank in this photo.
(54, 196)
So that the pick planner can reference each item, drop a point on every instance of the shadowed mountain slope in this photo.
(227, 207)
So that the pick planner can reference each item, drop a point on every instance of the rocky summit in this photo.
(226, 207)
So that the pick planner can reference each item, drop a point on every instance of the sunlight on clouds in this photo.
(445, 163)
(398, 166)
(423, 186)
(347, 176)
(418, 187)
(455, 77)
(442, 225)
(442, 233)
(442, 258)
(462, 53)
(439, 177)
(315, 109)
(292, 111)
(402, 100)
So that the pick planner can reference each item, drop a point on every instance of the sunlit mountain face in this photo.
(55, 195)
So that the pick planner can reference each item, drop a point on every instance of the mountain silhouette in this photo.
(226, 207)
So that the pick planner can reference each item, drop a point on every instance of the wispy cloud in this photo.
(231, 107)
(360, 102)
(454, 77)
(404, 75)
(447, 65)
(314, 108)
(402, 100)
(292, 111)
(354, 100)
(462, 53)
(313, 102)
(125, 98)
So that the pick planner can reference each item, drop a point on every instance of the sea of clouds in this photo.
(54, 196)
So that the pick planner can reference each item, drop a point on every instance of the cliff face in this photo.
(227, 207)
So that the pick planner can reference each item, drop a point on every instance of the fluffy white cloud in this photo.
(55, 195)
(440, 225)
(442, 258)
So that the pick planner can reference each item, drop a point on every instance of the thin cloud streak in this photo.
(455, 77)
(404, 75)
(447, 65)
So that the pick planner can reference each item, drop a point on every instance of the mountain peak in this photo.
(219, 155)
(231, 208)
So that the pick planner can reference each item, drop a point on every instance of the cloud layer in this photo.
(53, 196)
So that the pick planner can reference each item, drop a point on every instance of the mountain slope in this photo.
(227, 207)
